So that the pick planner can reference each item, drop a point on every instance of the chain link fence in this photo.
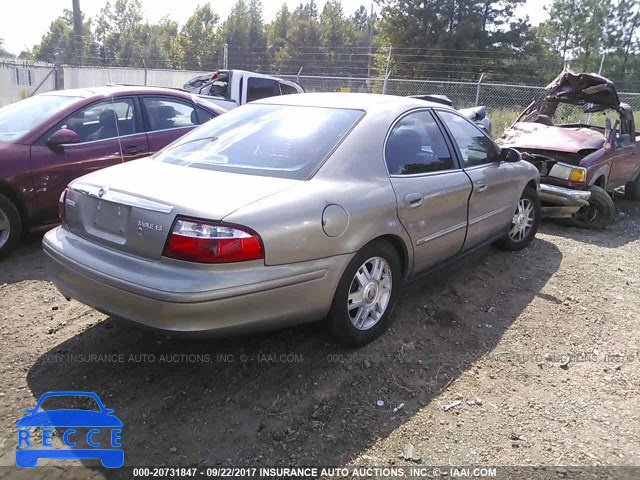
(463, 94)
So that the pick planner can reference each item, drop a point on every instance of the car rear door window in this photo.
(163, 113)
(258, 88)
(416, 145)
(102, 120)
(475, 147)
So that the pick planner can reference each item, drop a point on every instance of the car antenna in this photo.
(117, 128)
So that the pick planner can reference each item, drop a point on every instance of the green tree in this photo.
(58, 42)
(117, 31)
(199, 44)
(278, 42)
(3, 51)
(336, 34)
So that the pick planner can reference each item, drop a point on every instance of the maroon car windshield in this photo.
(270, 140)
(18, 119)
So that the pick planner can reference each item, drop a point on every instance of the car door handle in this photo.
(481, 187)
(132, 150)
(413, 200)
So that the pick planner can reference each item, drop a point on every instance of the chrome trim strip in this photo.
(487, 215)
(441, 233)
(121, 198)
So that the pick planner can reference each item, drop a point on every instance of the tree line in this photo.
(426, 39)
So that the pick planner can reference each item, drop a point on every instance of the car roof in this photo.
(115, 90)
(355, 101)
(123, 90)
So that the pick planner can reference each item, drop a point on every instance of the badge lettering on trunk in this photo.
(142, 226)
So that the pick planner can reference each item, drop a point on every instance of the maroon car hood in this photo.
(542, 137)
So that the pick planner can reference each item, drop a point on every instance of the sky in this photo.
(23, 23)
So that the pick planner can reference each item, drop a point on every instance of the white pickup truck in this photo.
(231, 88)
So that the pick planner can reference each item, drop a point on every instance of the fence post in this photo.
(478, 89)
(144, 64)
(225, 57)
(388, 71)
(56, 73)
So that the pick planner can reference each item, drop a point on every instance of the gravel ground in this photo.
(527, 358)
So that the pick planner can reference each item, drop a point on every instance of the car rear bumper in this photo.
(560, 202)
(194, 299)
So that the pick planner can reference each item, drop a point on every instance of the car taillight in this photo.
(211, 242)
(61, 202)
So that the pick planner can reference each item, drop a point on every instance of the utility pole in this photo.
(370, 35)
(77, 30)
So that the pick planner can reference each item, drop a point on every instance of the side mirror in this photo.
(62, 137)
(510, 155)
(624, 140)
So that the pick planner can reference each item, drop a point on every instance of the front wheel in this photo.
(365, 297)
(598, 214)
(524, 223)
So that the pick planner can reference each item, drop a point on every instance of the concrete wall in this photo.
(94, 77)
(20, 79)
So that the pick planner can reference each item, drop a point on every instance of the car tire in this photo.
(10, 226)
(373, 277)
(599, 214)
(525, 222)
(632, 190)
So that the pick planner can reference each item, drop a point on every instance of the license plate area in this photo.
(111, 217)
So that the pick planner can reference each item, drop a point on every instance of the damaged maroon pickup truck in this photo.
(580, 164)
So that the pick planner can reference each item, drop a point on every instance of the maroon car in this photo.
(49, 139)
(582, 139)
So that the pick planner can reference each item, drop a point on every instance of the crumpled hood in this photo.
(542, 137)
(582, 88)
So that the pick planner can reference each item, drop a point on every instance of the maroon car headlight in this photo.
(572, 173)
(211, 242)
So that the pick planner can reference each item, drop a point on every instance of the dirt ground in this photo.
(540, 347)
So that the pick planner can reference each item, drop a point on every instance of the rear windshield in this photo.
(269, 140)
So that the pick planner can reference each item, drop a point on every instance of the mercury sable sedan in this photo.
(291, 209)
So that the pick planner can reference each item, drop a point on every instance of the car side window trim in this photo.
(456, 148)
(457, 164)
(42, 141)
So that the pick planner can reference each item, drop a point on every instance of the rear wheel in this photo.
(10, 226)
(525, 222)
(598, 214)
(366, 295)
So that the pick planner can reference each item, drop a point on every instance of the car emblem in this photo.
(101, 192)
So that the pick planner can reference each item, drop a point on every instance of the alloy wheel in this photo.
(369, 293)
(523, 219)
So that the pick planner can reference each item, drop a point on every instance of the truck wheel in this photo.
(524, 225)
(599, 214)
(632, 190)
(10, 226)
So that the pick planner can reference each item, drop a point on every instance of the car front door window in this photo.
(475, 147)
(103, 120)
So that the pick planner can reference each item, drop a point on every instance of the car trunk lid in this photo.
(132, 207)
